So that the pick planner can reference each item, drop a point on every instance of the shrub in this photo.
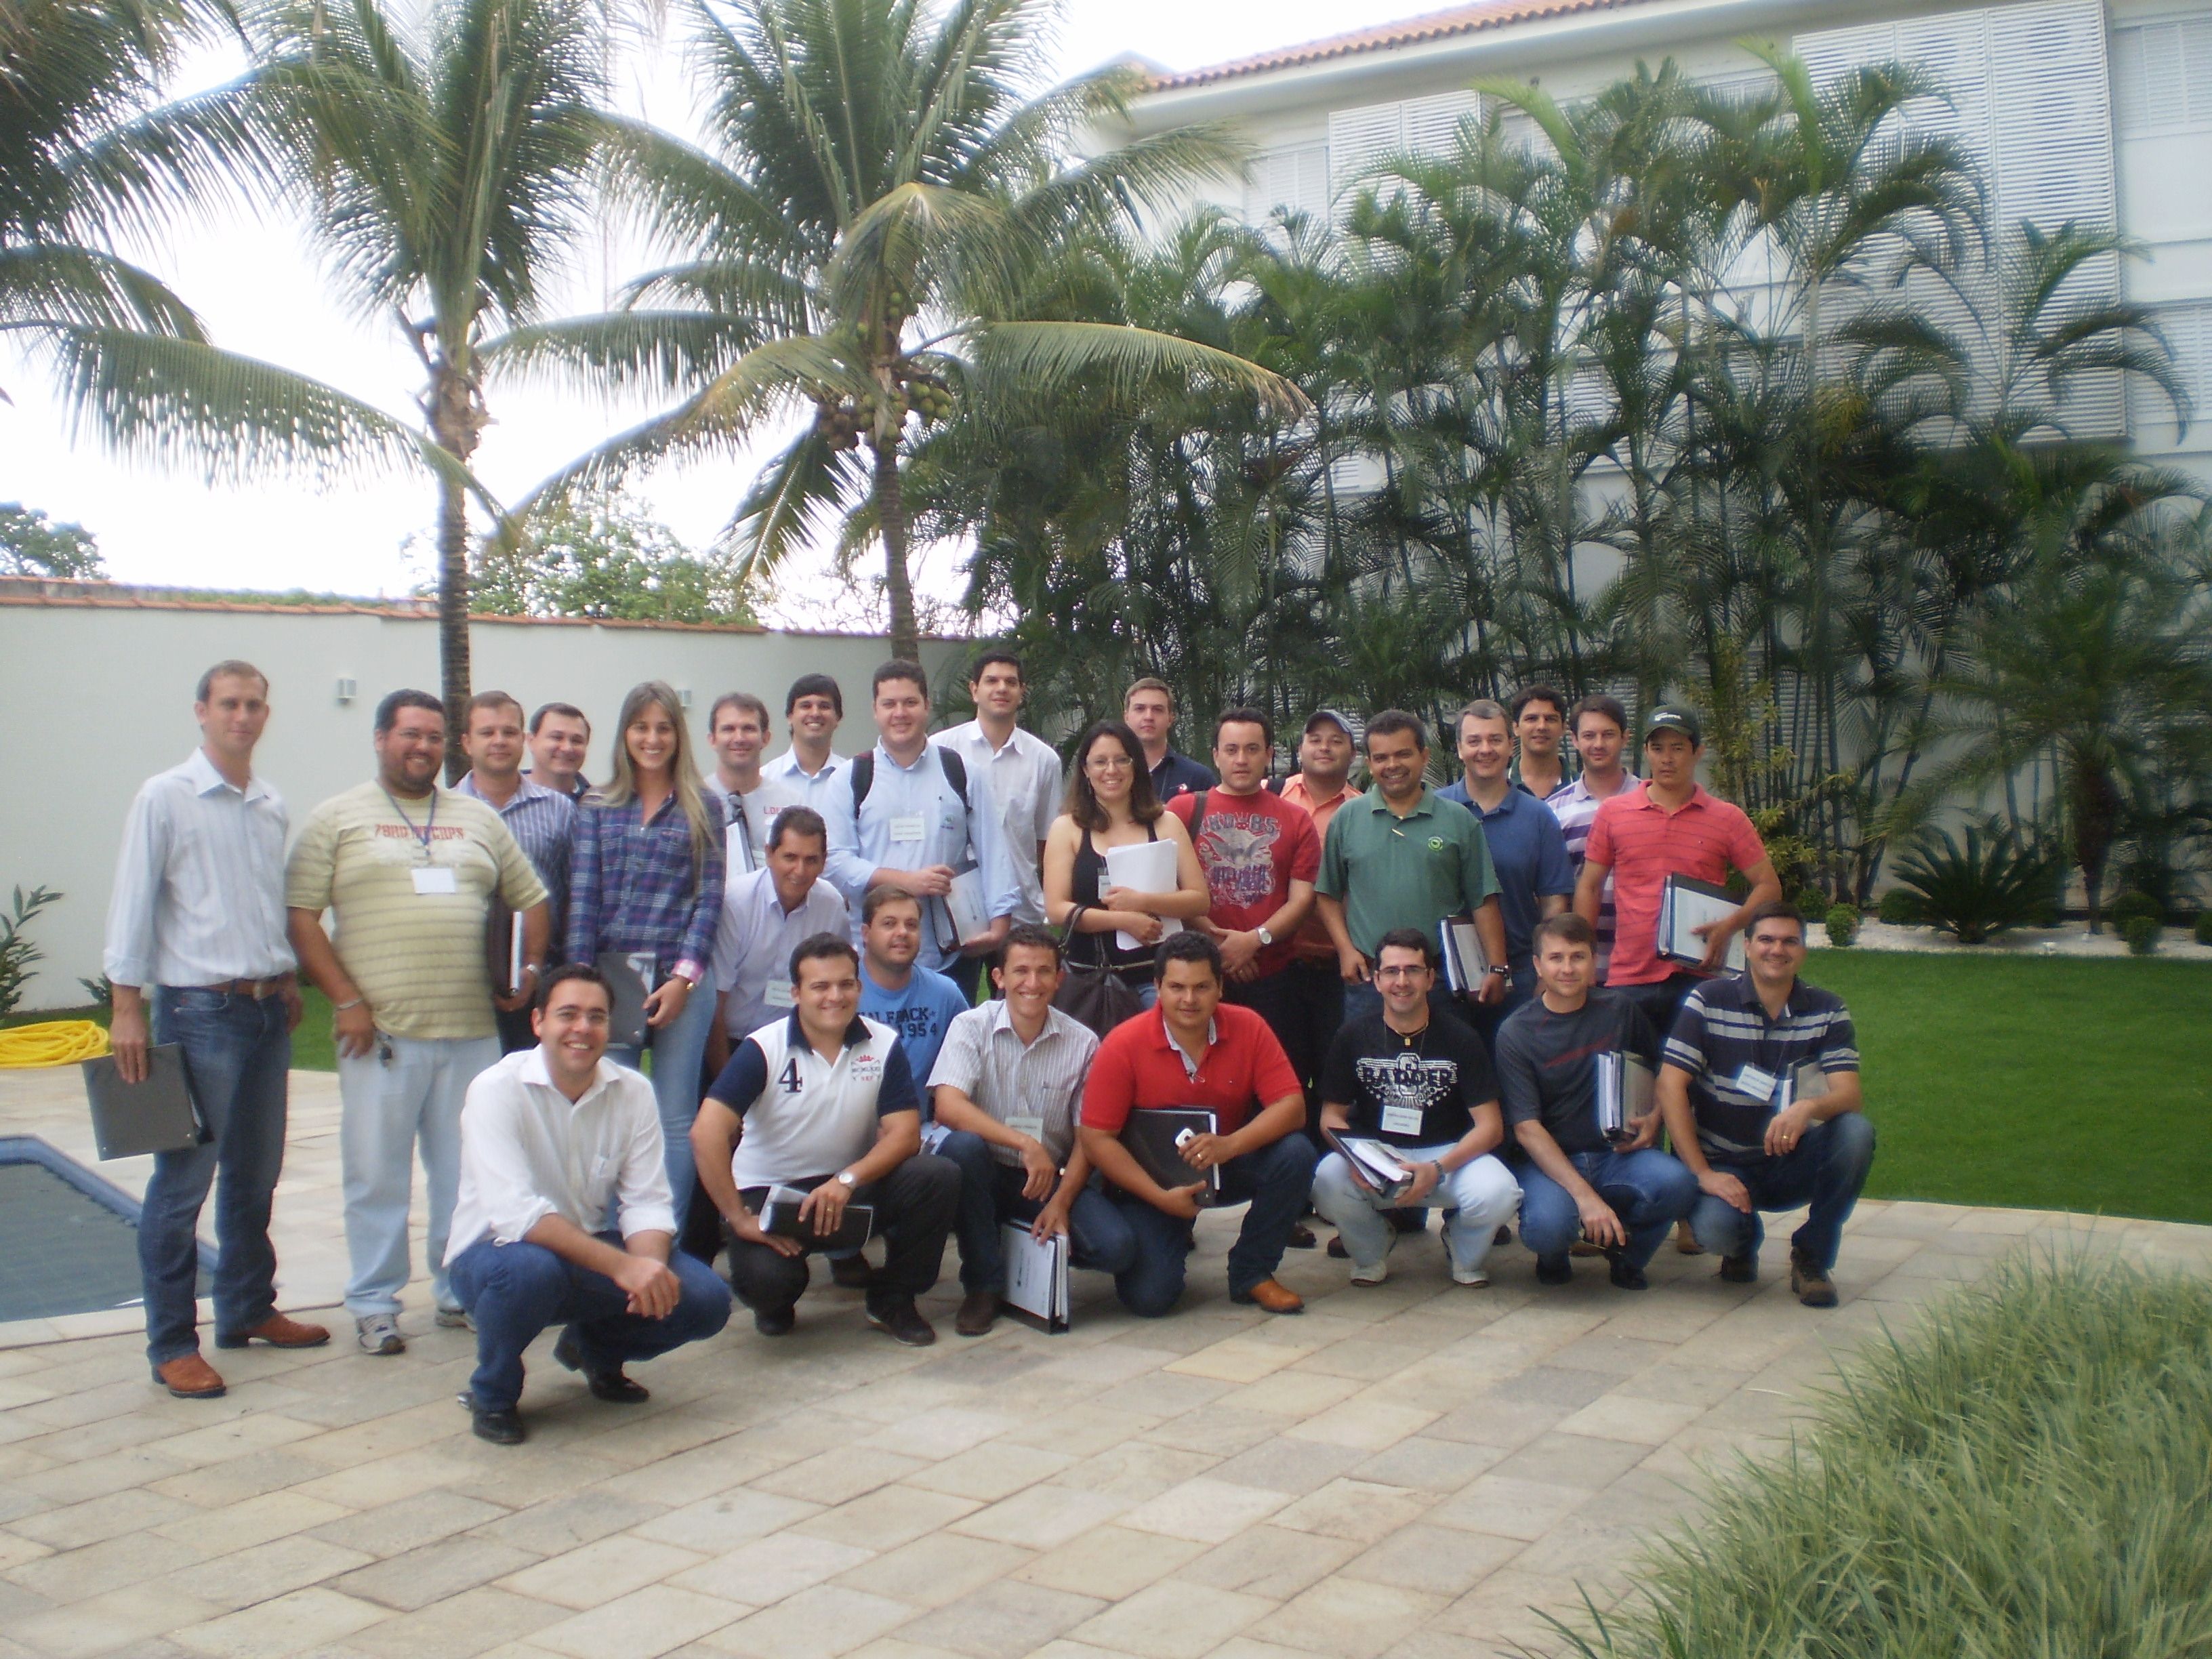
(2026, 1474)
(17, 953)
(1811, 902)
(2128, 906)
(1987, 884)
(2142, 933)
(1843, 924)
(2204, 926)
(1901, 908)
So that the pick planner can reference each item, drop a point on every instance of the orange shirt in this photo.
(1313, 941)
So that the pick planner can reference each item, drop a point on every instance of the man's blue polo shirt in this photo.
(1529, 852)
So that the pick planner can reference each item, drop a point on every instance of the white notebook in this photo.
(1145, 866)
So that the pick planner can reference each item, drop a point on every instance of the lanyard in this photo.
(429, 823)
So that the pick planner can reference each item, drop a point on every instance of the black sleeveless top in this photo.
(1134, 967)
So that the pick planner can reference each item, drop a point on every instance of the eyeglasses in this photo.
(1399, 972)
(1109, 763)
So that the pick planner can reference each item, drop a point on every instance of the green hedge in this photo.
(2026, 1476)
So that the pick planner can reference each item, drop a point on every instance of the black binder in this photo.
(157, 1116)
(780, 1216)
(627, 990)
(1153, 1136)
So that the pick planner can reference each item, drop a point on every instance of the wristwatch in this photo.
(1263, 935)
(1503, 973)
(846, 1175)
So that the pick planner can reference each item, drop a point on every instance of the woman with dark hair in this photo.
(1110, 804)
(646, 881)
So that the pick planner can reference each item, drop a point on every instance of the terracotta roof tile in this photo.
(1409, 31)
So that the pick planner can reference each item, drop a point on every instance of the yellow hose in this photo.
(55, 1043)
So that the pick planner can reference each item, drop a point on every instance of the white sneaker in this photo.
(379, 1334)
(1370, 1273)
(1474, 1278)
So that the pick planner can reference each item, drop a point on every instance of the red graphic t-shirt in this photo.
(1252, 848)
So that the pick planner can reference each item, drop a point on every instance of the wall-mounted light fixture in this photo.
(348, 690)
(683, 695)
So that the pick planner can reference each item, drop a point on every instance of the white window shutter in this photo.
(1295, 177)
(2191, 64)
(1431, 123)
(1358, 140)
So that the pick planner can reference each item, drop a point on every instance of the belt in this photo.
(258, 989)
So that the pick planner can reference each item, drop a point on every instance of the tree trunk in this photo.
(898, 586)
(454, 620)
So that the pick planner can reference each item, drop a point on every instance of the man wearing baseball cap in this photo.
(1320, 784)
(1670, 826)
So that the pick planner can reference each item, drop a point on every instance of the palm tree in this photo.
(2097, 667)
(878, 183)
(88, 154)
(444, 155)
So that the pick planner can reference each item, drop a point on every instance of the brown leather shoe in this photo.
(1686, 1241)
(189, 1378)
(979, 1311)
(1271, 1297)
(278, 1330)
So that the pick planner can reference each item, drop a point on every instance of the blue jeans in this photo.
(1275, 1179)
(991, 1195)
(1826, 1169)
(679, 1053)
(237, 1052)
(403, 1092)
(1649, 1191)
(513, 1292)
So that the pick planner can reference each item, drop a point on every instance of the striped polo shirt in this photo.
(1642, 843)
(1723, 1028)
(1576, 808)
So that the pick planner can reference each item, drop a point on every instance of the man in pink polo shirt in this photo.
(1670, 826)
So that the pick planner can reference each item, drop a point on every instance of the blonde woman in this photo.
(1110, 804)
(646, 878)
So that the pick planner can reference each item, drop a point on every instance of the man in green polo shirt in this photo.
(1401, 856)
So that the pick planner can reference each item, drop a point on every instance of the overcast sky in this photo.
(257, 287)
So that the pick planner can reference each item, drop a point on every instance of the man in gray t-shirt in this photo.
(1622, 1197)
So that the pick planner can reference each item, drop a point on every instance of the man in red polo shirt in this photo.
(1668, 827)
(1193, 1049)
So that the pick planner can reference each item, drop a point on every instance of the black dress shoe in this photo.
(774, 1322)
(1625, 1277)
(1336, 1248)
(501, 1428)
(606, 1383)
(901, 1321)
(1302, 1238)
(852, 1272)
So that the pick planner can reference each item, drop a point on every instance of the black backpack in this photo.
(864, 777)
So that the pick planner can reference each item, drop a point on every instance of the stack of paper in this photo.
(1145, 866)
(1037, 1275)
(1625, 1093)
(1687, 905)
(1375, 1164)
(1465, 960)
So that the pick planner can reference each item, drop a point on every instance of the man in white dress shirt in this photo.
(550, 1138)
(737, 730)
(912, 817)
(197, 927)
(765, 916)
(813, 709)
(1018, 769)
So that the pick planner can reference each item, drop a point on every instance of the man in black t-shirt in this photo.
(1424, 1087)
(1621, 1196)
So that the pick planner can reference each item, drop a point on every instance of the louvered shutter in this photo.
(1358, 140)
(1431, 124)
(1295, 177)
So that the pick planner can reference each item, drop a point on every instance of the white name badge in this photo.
(777, 994)
(433, 878)
(1401, 1119)
(913, 827)
(1757, 1082)
(1031, 1126)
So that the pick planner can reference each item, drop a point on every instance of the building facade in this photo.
(2075, 111)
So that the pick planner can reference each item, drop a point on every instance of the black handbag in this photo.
(1093, 994)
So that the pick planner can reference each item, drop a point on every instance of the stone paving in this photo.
(1408, 1471)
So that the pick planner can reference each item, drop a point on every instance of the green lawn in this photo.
(2045, 1083)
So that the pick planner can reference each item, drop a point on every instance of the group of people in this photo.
(817, 1045)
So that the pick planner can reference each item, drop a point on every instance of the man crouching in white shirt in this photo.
(558, 1142)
